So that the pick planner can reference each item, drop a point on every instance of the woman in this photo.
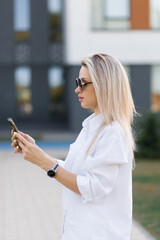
(97, 173)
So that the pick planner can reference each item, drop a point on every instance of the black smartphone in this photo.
(13, 125)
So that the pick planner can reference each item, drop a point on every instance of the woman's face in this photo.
(87, 96)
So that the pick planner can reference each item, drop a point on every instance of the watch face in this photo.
(51, 173)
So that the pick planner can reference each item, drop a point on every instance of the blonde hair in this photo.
(113, 93)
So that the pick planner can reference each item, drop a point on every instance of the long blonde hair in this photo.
(112, 91)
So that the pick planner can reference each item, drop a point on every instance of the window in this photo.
(155, 88)
(155, 14)
(21, 19)
(106, 16)
(55, 20)
(125, 14)
(56, 92)
(54, 6)
(121, 11)
(23, 90)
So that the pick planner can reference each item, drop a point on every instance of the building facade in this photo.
(42, 43)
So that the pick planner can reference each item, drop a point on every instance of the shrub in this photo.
(147, 129)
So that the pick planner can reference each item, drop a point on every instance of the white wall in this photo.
(130, 47)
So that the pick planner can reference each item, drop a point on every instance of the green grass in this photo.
(8, 139)
(146, 195)
(5, 139)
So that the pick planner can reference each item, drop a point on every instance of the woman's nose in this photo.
(78, 90)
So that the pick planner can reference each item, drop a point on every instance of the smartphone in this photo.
(13, 125)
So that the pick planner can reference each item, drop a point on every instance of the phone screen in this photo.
(13, 125)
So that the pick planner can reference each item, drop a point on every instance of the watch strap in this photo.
(52, 172)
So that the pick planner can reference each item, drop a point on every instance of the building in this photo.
(42, 43)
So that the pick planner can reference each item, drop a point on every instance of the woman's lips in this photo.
(80, 99)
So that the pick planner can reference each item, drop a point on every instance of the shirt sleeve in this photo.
(60, 162)
(102, 168)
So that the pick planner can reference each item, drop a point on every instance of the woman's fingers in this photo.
(31, 152)
(12, 132)
(25, 136)
(28, 138)
(21, 139)
(14, 143)
(13, 136)
(22, 145)
(18, 150)
(19, 143)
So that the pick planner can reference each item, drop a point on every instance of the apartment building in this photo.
(42, 43)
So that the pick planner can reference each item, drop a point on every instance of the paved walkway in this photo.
(30, 203)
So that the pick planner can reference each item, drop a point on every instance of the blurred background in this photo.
(42, 43)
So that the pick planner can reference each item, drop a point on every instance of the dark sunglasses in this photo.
(80, 83)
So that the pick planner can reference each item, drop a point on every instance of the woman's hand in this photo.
(31, 152)
(36, 155)
(15, 142)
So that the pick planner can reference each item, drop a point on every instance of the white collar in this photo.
(93, 122)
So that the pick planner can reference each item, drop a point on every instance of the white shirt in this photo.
(103, 211)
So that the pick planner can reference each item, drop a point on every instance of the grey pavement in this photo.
(31, 203)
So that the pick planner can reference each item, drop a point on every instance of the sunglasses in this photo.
(80, 83)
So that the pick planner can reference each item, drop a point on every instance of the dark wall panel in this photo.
(39, 31)
(40, 94)
(6, 32)
(7, 94)
(140, 83)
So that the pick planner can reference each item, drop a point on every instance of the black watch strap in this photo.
(52, 172)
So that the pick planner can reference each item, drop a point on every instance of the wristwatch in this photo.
(52, 172)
